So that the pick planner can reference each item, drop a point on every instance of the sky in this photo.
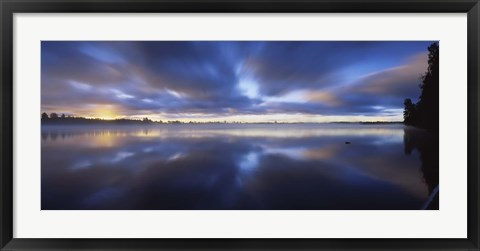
(246, 81)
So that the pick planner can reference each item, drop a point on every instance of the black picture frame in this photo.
(10, 7)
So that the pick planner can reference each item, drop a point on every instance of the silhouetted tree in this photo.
(63, 116)
(410, 112)
(53, 115)
(425, 113)
(44, 116)
(428, 105)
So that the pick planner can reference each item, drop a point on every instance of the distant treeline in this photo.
(381, 122)
(54, 118)
(425, 112)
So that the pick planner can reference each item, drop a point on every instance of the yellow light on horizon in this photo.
(107, 113)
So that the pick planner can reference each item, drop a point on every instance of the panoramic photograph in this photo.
(239, 125)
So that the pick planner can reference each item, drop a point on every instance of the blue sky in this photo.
(249, 81)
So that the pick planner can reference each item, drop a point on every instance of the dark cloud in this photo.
(281, 67)
(387, 88)
(182, 77)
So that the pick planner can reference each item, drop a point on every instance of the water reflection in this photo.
(234, 167)
(427, 144)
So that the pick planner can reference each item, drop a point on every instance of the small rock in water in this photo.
(347, 142)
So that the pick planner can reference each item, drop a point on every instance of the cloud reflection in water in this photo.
(303, 166)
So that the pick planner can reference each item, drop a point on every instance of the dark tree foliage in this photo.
(44, 116)
(410, 112)
(425, 113)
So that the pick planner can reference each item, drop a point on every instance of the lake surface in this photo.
(236, 166)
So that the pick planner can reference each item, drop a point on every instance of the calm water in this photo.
(235, 167)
